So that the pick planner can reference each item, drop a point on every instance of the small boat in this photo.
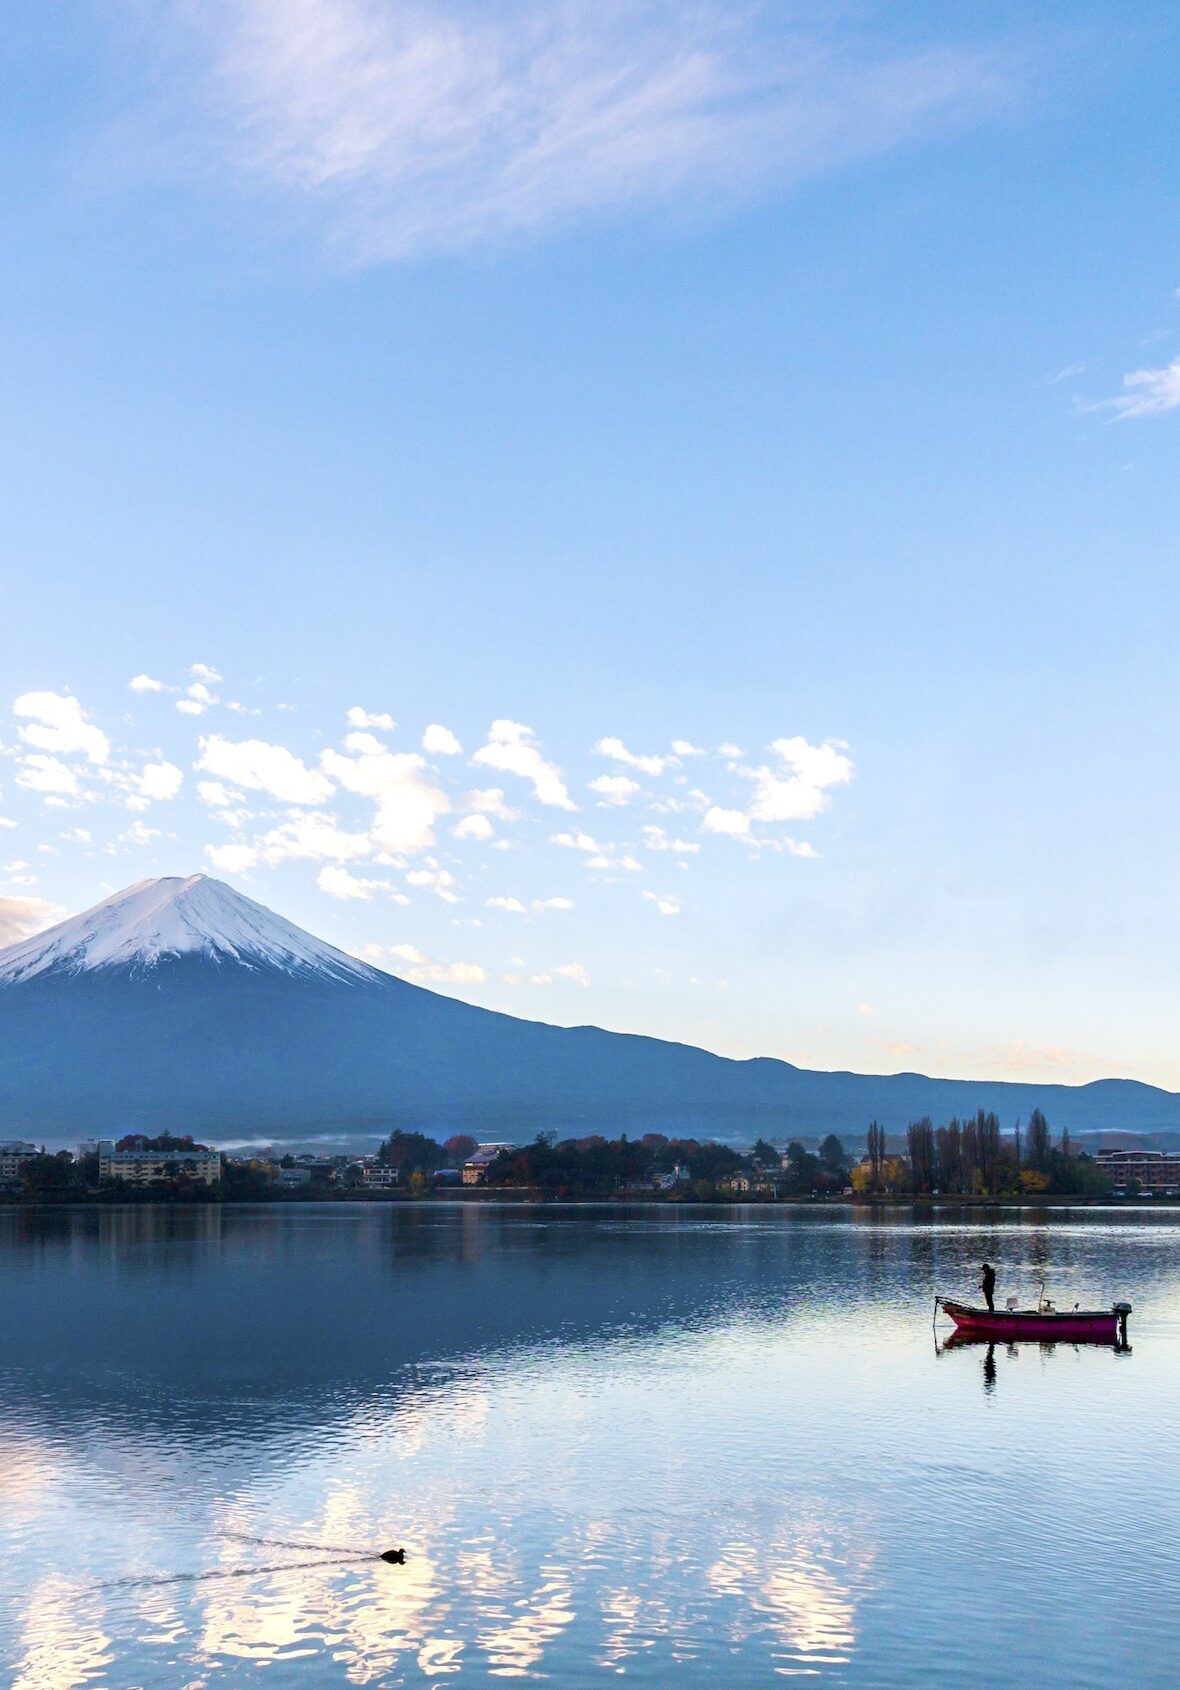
(1045, 1324)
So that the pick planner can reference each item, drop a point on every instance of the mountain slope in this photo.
(180, 1003)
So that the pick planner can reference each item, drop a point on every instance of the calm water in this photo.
(703, 1447)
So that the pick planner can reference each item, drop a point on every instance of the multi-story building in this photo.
(13, 1151)
(376, 1177)
(475, 1169)
(1157, 1171)
(154, 1167)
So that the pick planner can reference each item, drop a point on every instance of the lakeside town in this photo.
(969, 1159)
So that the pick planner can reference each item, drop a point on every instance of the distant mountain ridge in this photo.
(180, 1003)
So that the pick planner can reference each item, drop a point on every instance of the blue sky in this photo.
(796, 385)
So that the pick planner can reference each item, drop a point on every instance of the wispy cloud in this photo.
(439, 125)
(1146, 393)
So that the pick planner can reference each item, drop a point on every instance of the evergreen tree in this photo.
(920, 1138)
(1038, 1141)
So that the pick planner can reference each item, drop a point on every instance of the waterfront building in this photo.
(322, 1167)
(14, 1151)
(676, 1175)
(475, 1169)
(1157, 1171)
(294, 1179)
(765, 1182)
(156, 1167)
(376, 1177)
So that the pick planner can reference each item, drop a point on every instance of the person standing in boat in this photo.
(987, 1285)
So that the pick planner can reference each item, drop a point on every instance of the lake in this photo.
(680, 1445)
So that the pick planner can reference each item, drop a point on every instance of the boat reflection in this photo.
(1013, 1346)
(974, 1340)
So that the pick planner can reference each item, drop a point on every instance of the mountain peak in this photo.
(177, 915)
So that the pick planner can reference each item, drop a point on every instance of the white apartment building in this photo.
(379, 1178)
(152, 1167)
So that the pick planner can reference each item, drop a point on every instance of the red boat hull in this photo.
(1094, 1326)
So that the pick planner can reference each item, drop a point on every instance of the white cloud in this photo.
(312, 836)
(513, 906)
(735, 823)
(474, 827)
(39, 773)
(1146, 393)
(512, 748)
(203, 672)
(160, 781)
(615, 790)
(573, 971)
(58, 723)
(415, 129)
(667, 903)
(615, 749)
(406, 953)
(233, 858)
(20, 918)
(261, 767)
(139, 834)
(656, 839)
(489, 801)
(337, 882)
(797, 790)
(438, 741)
(215, 794)
(7, 821)
(145, 683)
(728, 749)
(576, 842)
(685, 748)
(190, 707)
(803, 793)
(450, 974)
(438, 880)
(358, 718)
(408, 804)
(77, 836)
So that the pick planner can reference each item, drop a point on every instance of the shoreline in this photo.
(520, 1198)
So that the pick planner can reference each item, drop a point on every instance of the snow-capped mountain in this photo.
(179, 1003)
(156, 920)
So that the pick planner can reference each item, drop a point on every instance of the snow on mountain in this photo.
(157, 919)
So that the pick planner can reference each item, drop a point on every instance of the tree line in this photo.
(972, 1157)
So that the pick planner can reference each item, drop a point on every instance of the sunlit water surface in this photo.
(679, 1445)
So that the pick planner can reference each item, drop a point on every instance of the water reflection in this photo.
(712, 1446)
